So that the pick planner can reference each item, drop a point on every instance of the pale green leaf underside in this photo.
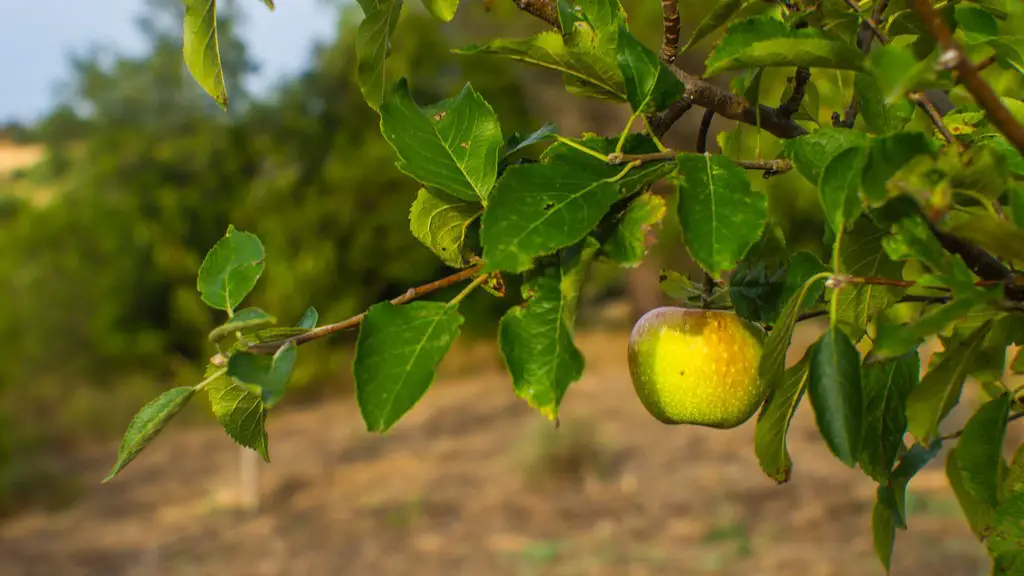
(773, 423)
(442, 9)
(627, 244)
(240, 410)
(440, 221)
(202, 50)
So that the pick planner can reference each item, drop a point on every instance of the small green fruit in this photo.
(695, 366)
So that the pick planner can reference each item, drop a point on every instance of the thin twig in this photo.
(968, 74)
(702, 132)
(865, 36)
(546, 10)
(675, 111)
(960, 432)
(926, 104)
(670, 42)
(770, 167)
(792, 104)
(317, 333)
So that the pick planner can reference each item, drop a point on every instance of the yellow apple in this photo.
(695, 366)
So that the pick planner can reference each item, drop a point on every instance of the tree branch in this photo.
(670, 41)
(791, 106)
(661, 124)
(865, 35)
(702, 132)
(317, 333)
(968, 75)
(543, 9)
(770, 167)
(960, 432)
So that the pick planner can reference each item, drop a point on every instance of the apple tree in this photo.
(903, 116)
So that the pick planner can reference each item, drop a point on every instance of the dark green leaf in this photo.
(840, 185)
(976, 24)
(812, 152)
(722, 13)
(373, 40)
(912, 239)
(442, 9)
(895, 497)
(397, 351)
(721, 216)
(440, 222)
(773, 423)
(886, 387)
(452, 145)
(309, 319)
(202, 50)
(515, 142)
(536, 337)
(980, 516)
(939, 391)
(881, 117)
(148, 423)
(231, 269)
(886, 156)
(1017, 205)
(801, 267)
(896, 339)
(650, 85)
(1008, 535)
(763, 41)
(980, 450)
(755, 293)
(883, 533)
(835, 391)
(268, 373)
(627, 244)
(243, 319)
(239, 409)
(861, 254)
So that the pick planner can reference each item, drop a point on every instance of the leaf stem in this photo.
(581, 147)
(657, 141)
(625, 132)
(211, 378)
(469, 288)
(960, 432)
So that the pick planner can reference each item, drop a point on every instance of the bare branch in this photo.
(792, 104)
(543, 9)
(770, 167)
(968, 74)
(670, 42)
(702, 132)
(661, 124)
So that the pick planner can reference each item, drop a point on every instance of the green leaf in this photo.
(896, 339)
(773, 423)
(980, 450)
(231, 269)
(269, 4)
(897, 71)
(883, 533)
(801, 267)
(1017, 205)
(881, 116)
(442, 9)
(373, 40)
(939, 391)
(721, 216)
(239, 409)
(886, 156)
(268, 373)
(976, 24)
(980, 516)
(839, 186)
(148, 423)
(535, 338)
(763, 41)
(912, 239)
(309, 319)
(988, 232)
(894, 496)
(397, 351)
(812, 152)
(586, 72)
(627, 244)
(834, 387)
(886, 387)
(723, 11)
(676, 286)
(452, 145)
(201, 49)
(1008, 533)
(861, 254)
(515, 142)
(756, 294)
(650, 85)
(243, 319)
(440, 222)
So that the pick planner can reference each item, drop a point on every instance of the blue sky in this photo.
(38, 36)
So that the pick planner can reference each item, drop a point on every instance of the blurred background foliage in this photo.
(140, 174)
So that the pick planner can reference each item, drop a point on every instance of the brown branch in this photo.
(546, 10)
(792, 104)
(770, 167)
(925, 104)
(983, 264)
(839, 279)
(661, 124)
(865, 35)
(670, 42)
(968, 75)
(703, 130)
(317, 333)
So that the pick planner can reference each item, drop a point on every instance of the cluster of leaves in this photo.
(924, 234)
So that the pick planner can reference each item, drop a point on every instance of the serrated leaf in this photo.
(886, 387)
(881, 116)
(883, 533)
(586, 72)
(650, 85)
(243, 319)
(896, 339)
(515, 142)
(148, 423)
(723, 11)
(886, 156)
(535, 338)
(812, 152)
(839, 186)
(627, 244)
(240, 411)
(894, 496)
(230, 269)
(442, 9)
(980, 516)
(721, 216)
(270, 374)
(440, 222)
(397, 350)
(202, 50)
(861, 254)
(373, 41)
(763, 41)
(940, 388)
(773, 423)
(980, 450)
(834, 387)
(452, 145)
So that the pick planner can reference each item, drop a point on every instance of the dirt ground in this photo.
(474, 482)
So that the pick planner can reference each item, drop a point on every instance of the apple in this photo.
(697, 366)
